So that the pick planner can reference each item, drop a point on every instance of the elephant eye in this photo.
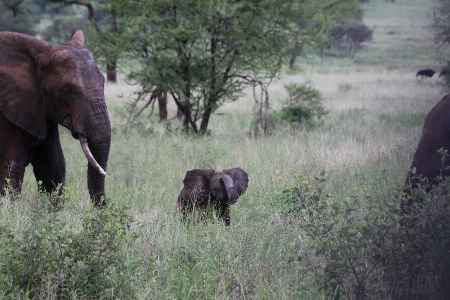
(66, 91)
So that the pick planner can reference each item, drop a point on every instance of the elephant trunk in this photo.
(96, 180)
(224, 190)
(95, 142)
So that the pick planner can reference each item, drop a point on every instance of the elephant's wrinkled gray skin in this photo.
(207, 189)
(43, 85)
(427, 161)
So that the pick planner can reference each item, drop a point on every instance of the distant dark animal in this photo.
(425, 73)
(444, 73)
(427, 162)
(209, 190)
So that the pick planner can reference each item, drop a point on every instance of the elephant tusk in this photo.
(89, 156)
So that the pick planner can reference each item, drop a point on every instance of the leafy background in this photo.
(313, 194)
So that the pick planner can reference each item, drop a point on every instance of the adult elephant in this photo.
(43, 85)
(427, 163)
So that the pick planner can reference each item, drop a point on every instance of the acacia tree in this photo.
(19, 16)
(104, 31)
(441, 29)
(204, 52)
(337, 13)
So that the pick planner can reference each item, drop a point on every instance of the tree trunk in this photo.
(187, 107)
(162, 104)
(294, 52)
(292, 60)
(187, 113)
(205, 119)
(111, 73)
(179, 114)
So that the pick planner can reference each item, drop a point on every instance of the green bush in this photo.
(364, 248)
(352, 36)
(52, 257)
(302, 107)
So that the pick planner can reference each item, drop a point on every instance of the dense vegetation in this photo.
(319, 219)
(204, 53)
(441, 30)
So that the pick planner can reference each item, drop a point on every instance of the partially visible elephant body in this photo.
(18, 149)
(435, 135)
(43, 85)
(206, 189)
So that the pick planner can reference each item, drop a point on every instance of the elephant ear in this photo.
(196, 183)
(19, 91)
(77, 39)
(240, 183)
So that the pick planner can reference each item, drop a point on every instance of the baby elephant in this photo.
(207, 189)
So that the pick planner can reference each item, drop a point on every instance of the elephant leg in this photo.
(48, 162)
(182, 209)
(14, 153)
(187, 213)
(224, 213)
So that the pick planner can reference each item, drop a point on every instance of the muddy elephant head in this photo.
(43, 85)
(205, 189)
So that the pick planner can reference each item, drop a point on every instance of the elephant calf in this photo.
(207, 190)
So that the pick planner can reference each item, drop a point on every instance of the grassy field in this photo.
(362, 152)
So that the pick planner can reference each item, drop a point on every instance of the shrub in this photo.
(53, 258)
(342, 255)
(444, 74)
(425, 239)
(370, 253)
(352, 36)
(303, 105)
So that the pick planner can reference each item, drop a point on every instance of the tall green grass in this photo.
(360, 154)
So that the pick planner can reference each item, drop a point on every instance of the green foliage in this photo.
(350, 31)
(341, 239)
(426, 246)
(205, 53)
(62, 28)
(363, 248)
(322, 28)
(441, 30)
(441, 25)
(106, 36)
(138, 127)
(352, 36)
(444, 74)
(296, 202)
(52, 256)
(303, 106)
(365, 146)
(19, 17)
(345, 87)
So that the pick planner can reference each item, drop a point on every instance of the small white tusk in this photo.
(89, 155)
